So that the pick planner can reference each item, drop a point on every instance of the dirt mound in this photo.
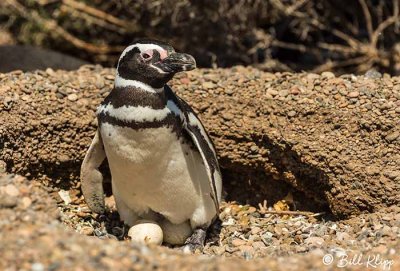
(333, 143)
(33, 238)
(319, 142)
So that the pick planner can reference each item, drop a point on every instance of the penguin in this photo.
(163, 164)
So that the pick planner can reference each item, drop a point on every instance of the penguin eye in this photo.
(146, 56)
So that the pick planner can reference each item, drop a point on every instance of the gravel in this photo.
(329, 141)
(299, 141)
(35, 235)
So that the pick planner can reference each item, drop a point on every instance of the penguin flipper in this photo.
(91, 177)
(193, 126)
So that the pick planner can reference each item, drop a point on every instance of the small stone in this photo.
(258, 245)
(63, 157)
(295, 90)
(386, 230)
(228, 116)
(26, 202)
(278, 230)
(100, 83)
(328, 75)
(392, 174)
(353, 94)
(218, 250)
(82, 102)
(314, 241)
(208, 85)
(72, 97)
(248, 249)
(185, 81)
(64, 195)
(272, 92)
(229, 91)
(50, 71)
(238, 242)
(87, 231)
(342, 236)
(291, 113)
(7, 201)
(255, 230)
(26, 98)
(254, 148)
(301, 249)
(373, 74)
(283, 93)
(7, 101)
(11, 190)
(37, 267)
(392, 136)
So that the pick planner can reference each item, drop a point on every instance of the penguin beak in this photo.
(177, 62)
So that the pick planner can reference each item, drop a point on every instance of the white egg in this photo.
(146, 232)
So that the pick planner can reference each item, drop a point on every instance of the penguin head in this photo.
(152, 62)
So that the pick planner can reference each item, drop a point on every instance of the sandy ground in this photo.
(299, 141)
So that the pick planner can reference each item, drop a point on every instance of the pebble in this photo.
(7, 101)
(100, 83)
(328, 75)
(373, 74)
(64, 195)
(325, 147)
(284, 93)
(37, 267)
(272, 92)
(258, 245)
(253, 148)
(208, 85)
(10, 190)
(7, 201)
(228, 116)
(342, 236)
(50, 72)
(185, 80)
(72, 97)
(87, 231)
(255, 230)
(314, 241)
(392, 136)
(26, 202)
(353, 94)
(295, 90)
(238, 242)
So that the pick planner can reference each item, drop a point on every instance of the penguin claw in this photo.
(195, 242)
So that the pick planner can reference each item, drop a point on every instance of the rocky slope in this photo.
(332, 142)
(298, 141)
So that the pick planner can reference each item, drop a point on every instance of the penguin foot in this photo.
(195, 241)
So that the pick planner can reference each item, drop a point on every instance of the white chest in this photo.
(138, 147)
(152, 169)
